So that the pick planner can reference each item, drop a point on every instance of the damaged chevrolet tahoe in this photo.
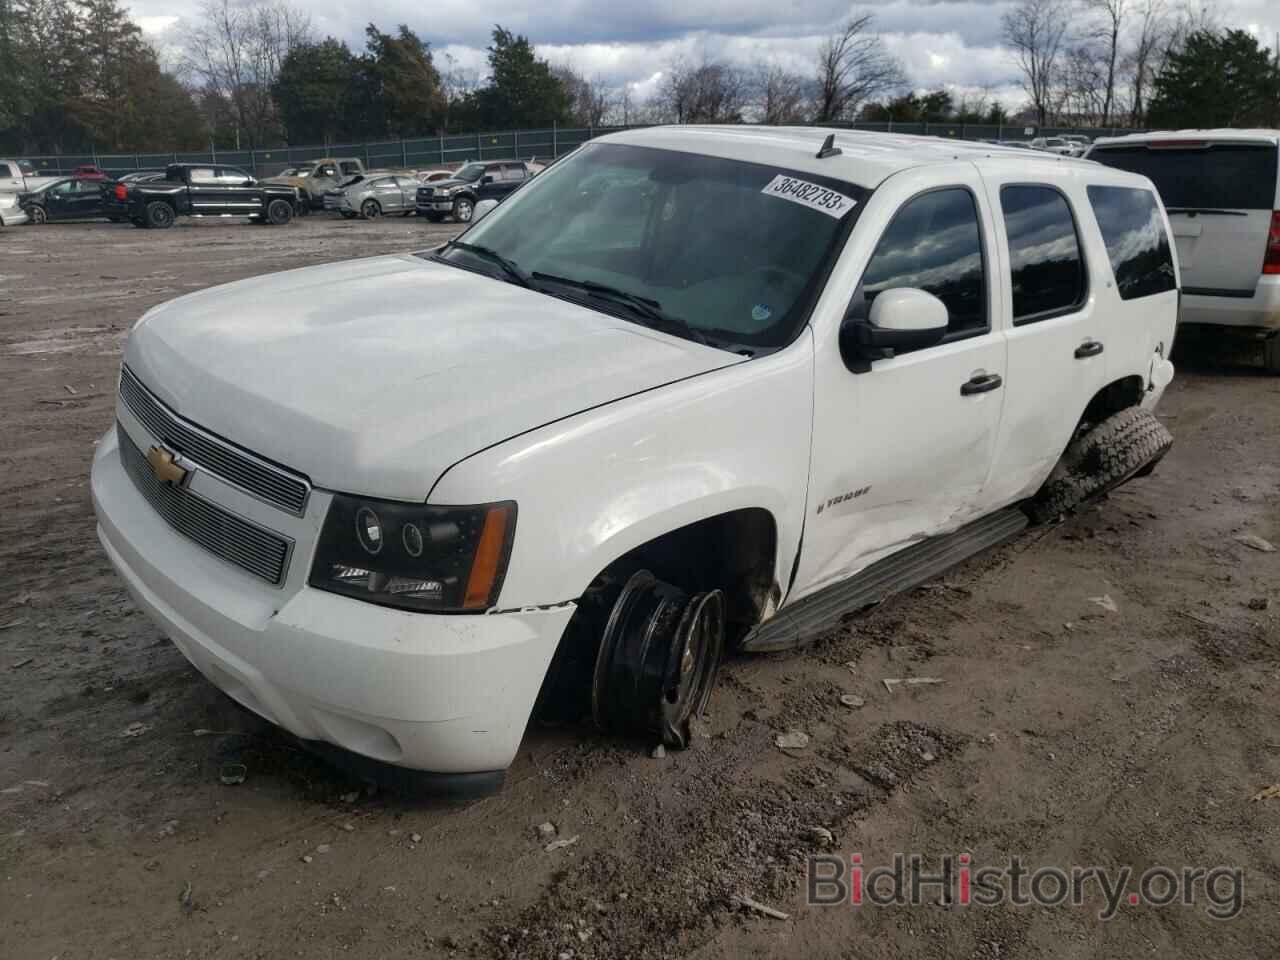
(691, 391)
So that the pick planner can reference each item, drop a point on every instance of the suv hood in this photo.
(375, 376)
(450, 183)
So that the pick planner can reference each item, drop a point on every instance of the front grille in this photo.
(234, 539)
(426, 192)
(254, 476)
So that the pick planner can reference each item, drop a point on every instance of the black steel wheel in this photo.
(658, 659)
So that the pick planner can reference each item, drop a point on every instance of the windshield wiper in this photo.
(514, 273)
(648, 309)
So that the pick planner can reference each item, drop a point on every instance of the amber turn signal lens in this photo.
(491, 560)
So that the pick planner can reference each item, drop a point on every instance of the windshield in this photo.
(471, 172)
(728, 252)
(26, 167)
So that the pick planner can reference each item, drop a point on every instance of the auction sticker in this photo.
(810, 195)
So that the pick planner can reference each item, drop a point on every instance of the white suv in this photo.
(1222, 191)
(692, 389)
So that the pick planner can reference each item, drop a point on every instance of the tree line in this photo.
(252, 74)
(1150, 63)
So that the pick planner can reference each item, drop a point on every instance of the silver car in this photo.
(372, 196)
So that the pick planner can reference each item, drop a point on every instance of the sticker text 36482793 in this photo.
(811, 195)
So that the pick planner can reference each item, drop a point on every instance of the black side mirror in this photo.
(487, 178)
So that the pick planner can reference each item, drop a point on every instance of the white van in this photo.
(1221, 189)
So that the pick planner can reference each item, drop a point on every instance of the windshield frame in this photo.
(798, 316)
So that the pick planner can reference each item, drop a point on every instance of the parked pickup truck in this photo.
(20, 176)
(457, 196)
(201, 190)
(691, 390)
(312, 179)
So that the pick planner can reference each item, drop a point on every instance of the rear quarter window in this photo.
(1137, 243)
(1226, 176)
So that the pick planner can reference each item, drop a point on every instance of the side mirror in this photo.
(901, 319)
(487, 178)
(250, 182)
(482, 209)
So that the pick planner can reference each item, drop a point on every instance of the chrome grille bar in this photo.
(227, 536)
(253, 475)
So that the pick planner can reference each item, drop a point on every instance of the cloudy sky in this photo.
(944, 43)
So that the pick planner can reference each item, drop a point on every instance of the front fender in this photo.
(596, 485)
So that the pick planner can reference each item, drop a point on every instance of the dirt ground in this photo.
(1067, 730)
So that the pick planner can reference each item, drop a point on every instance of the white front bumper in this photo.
(448, 694)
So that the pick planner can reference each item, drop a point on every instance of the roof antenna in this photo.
(829, 148)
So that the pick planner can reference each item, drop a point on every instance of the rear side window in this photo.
(1224, 176)
(1045, 265)
(1137, 243)
(5, 171)
(935, 244)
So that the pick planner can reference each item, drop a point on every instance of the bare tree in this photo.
(589, 99)
(781, 96)
(236, 51)
(711, 92)
(1143, 59)
(1037, 31)
(1112, 14)
(854, 67)
(1082, 86)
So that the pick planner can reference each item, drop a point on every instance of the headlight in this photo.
(413, 556)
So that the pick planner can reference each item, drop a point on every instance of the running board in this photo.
(802, 622)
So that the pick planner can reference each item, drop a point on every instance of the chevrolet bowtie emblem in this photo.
(164, 467)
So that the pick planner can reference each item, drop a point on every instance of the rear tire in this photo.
(159, 215)
(279, 212)
(1127, 444)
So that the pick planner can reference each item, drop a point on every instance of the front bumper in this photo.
(447, 694)
(1259, 312)
(435, 205)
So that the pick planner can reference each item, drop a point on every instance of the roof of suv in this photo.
(1220, 135)
(866, 158)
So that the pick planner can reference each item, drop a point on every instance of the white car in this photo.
(11, 213)
(692, 389)
(1059, 145)
(1222, 191)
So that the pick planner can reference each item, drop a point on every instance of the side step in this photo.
(803, 621)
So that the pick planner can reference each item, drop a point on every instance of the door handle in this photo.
(1090, 348)
(981, 383)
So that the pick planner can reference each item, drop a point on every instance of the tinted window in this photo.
(350, 166)
(1137, 243)
(1223, 176)
(5, 171)
(1045, 264)
(935, 244)
(513, 171)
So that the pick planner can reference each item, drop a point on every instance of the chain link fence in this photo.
(450, 151)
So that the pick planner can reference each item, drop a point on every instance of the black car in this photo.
(65, 199)
(458, 196)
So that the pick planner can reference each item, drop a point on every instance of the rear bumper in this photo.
(1260, 311)
(447, 694)
(13, 217)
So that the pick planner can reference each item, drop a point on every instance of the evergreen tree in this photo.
(1217, 80)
